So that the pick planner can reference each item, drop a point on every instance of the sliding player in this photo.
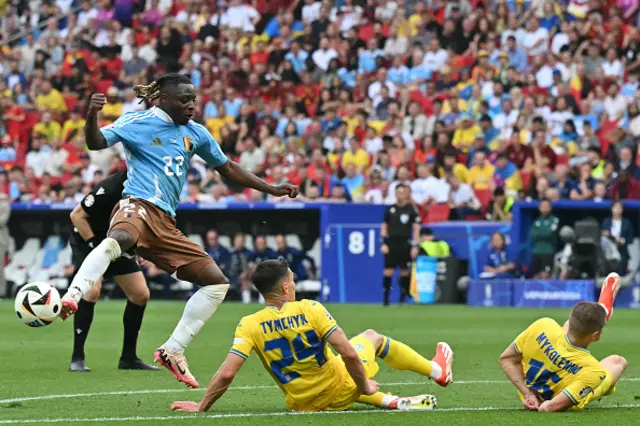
(291, 339)
(559, 373)
(90, 221)
(159, 144)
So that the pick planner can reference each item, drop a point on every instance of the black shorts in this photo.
(80, 250)
(399, 256)
(542, 263)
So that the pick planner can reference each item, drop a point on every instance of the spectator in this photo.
(338, 194)
(353, 181)
(7, 150)
(427, 189)
(355, 156)
(295, 257)
(239, 258)
(218, 253)
(625, 187)
(39, 156)
(562, 183)
(415, 123)
(498, 265)
(50, 99)
(499, 208)
(619, 230)
(584, 186)
(48, 127)
(481, 174)
(465, 133)
(462, 200)
(132, 103)
(253, 157)
(544, 241)
(452, 166)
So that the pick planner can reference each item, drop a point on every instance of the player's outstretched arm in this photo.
(559, 403)
(511, 363)
(232, 170)
(338, 340)
(92, 134)
(217, 387)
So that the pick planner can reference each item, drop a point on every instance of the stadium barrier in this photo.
(543, 293)
(351, 263)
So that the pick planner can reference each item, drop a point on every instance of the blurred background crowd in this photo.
(472, 103)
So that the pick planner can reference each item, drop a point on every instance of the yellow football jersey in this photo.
(552, 364)
(291, 343)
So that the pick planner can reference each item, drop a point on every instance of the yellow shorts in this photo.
(607, 387)
(349, 392)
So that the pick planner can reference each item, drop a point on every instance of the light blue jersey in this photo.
(158, 153)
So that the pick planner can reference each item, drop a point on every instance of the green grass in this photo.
(35, 361)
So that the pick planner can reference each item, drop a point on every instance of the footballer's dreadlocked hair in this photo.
(151, 92)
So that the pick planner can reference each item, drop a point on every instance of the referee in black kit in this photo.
(400, 229)
(91, 220)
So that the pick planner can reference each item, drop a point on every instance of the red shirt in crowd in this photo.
(520, 155)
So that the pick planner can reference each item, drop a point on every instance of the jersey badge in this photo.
(100, 191)
(89, 201)
(188, 143)
(156, 142)
(404, 218)
(585, 391)
(173, 141)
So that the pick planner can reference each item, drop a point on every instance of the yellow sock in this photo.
(375, 399)
(402, 357)
(378, 399)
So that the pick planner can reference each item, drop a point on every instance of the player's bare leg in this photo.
(610, 288)
(94, 267)
(200, 307)
(81, 326)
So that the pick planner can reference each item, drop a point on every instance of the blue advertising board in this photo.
(628, 297)
(490, 293)
(551, 293)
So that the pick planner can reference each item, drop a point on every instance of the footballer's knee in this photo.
(94, 293)
(374, 337)
(124, 239)
(619, 361)
(140, 296)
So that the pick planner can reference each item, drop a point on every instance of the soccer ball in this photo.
(37, 304)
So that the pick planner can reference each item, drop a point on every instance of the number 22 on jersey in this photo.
(301, 350)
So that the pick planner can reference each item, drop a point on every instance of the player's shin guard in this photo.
(198, 310)
(402, 357)
(93, 268)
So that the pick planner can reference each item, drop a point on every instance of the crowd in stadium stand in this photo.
(472, 103)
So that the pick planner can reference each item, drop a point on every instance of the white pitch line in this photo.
(274, 414)
(236, 388)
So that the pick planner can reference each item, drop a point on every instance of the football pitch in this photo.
(35, 387)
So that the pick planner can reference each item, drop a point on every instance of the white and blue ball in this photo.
(37, 304)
